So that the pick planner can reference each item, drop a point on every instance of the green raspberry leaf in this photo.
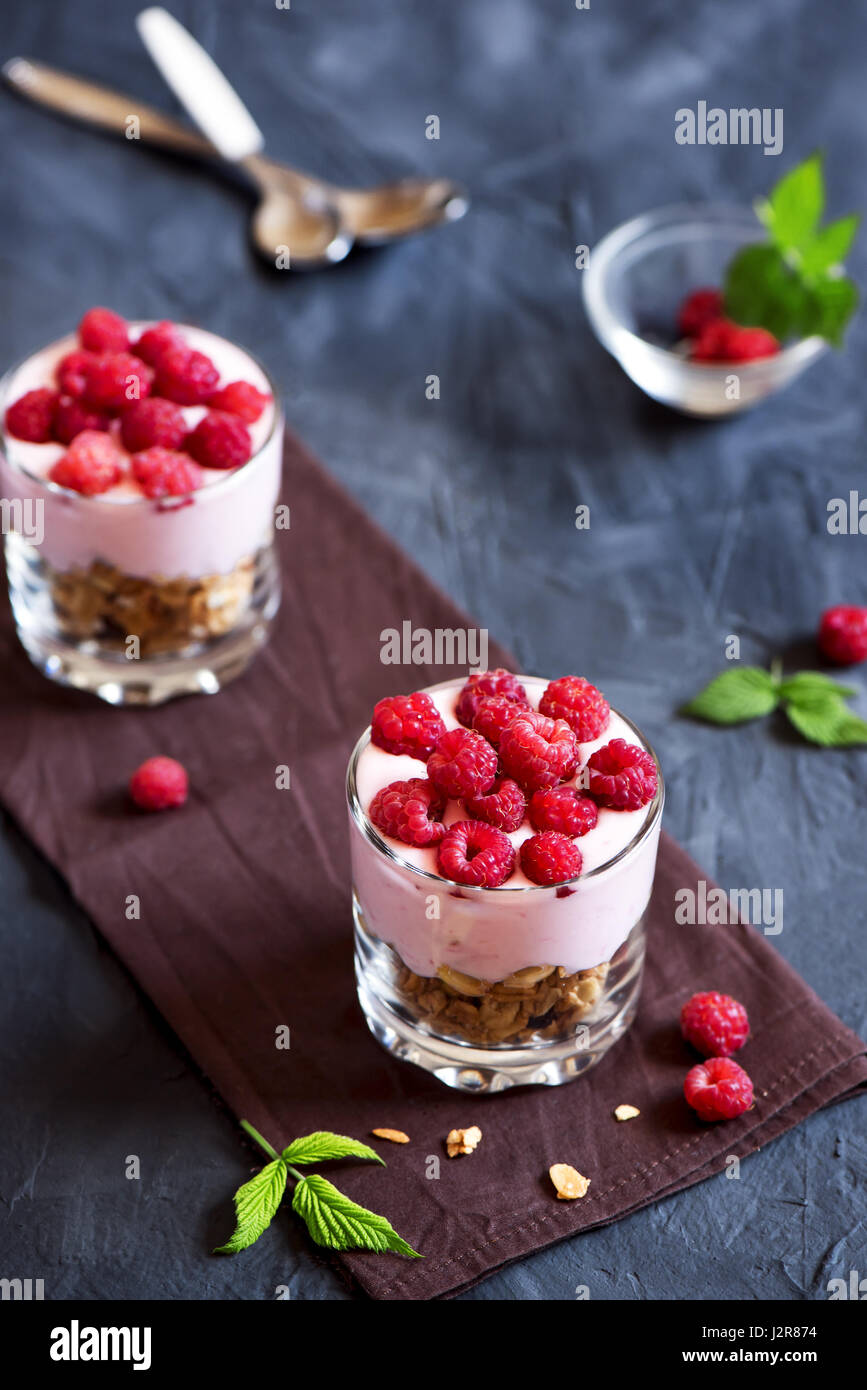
(808, 682)
(792, 211)
(340, 1224)
(830, 246)
(744, 692)
(323, 1145)
(821, 717)
(255, 1205)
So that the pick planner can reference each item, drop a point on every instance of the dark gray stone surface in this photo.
(562, 124)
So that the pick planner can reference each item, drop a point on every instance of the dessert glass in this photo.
(194, 579)
(489, 988)
(636, 279)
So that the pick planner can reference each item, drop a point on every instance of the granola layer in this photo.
(105, 605)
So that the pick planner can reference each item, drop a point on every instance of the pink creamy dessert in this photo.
(490, 934)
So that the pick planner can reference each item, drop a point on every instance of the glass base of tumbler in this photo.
(90, 654)
(491, 1069)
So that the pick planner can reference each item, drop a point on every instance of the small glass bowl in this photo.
(636, 279)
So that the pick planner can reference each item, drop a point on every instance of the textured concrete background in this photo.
(562, 124)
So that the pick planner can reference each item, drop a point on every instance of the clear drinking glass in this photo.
(543, 1023)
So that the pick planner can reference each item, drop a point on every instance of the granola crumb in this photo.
(396, 1136)
(626, 1112)
(462, 1141)
(568, 1181)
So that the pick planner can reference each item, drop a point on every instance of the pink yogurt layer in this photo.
(226, 520)
(491, 933)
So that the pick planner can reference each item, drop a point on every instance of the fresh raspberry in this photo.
(718, 1089)
(409, 811)
(90, 465)
(584, 708)
(159, 784)
(475, 853)
(714, 1023)
(409, 724)
(563, 809)
(622, 776)
(843, 634)
(493, 715)
(31, 417)
(504, 806)
(71, 372)
(697, 309)
(220, 440)
(185, 376)
(156, 340)
(550, 858)
(152, 421)
(724, 341)
(165, 473)
(538, 751)
(483, 683)
(462, 764)
(240, 398)
(102, 330)
(114, 381)
(71, 417)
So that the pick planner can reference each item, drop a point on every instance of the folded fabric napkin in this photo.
(245, 926)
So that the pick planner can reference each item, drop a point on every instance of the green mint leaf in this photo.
(316, 1148)
(806, 682)
(792, 211)
(762, 290)
(822, 718)
(830, 246)
(340, 1224)
(745, 692)
(255, 1205)
(836, 300)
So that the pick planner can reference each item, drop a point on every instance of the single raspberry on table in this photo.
(564, 809)
(185, 376)
(90, 465)
(240, 398)
(407, 724)
(159, 784)
(474, 853)
(114, 381)
(165, 472)
(504, 806)
(550, 858)
(410, 811)
(71, 372)
(152, 421)
(156, 340)
(484, 683)
(538, 751)
(622, 776)
(220, 440)
(843, 634)
(31, 417)
(102, 330)
(462, 764)
(493, 715)
(718, 1089)
(714, 1023)
(72, 417)
(584, 708)
(724, 341)
(699, 308)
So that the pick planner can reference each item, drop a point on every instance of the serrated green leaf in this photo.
(761, 290)
(323, 1145)
(255, 1205)
(805, 682)
(829, 246)
(794, 206)
(338, 1223)
(744, 692)
(821, 716)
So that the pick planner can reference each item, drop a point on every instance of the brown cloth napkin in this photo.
(245, 926)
